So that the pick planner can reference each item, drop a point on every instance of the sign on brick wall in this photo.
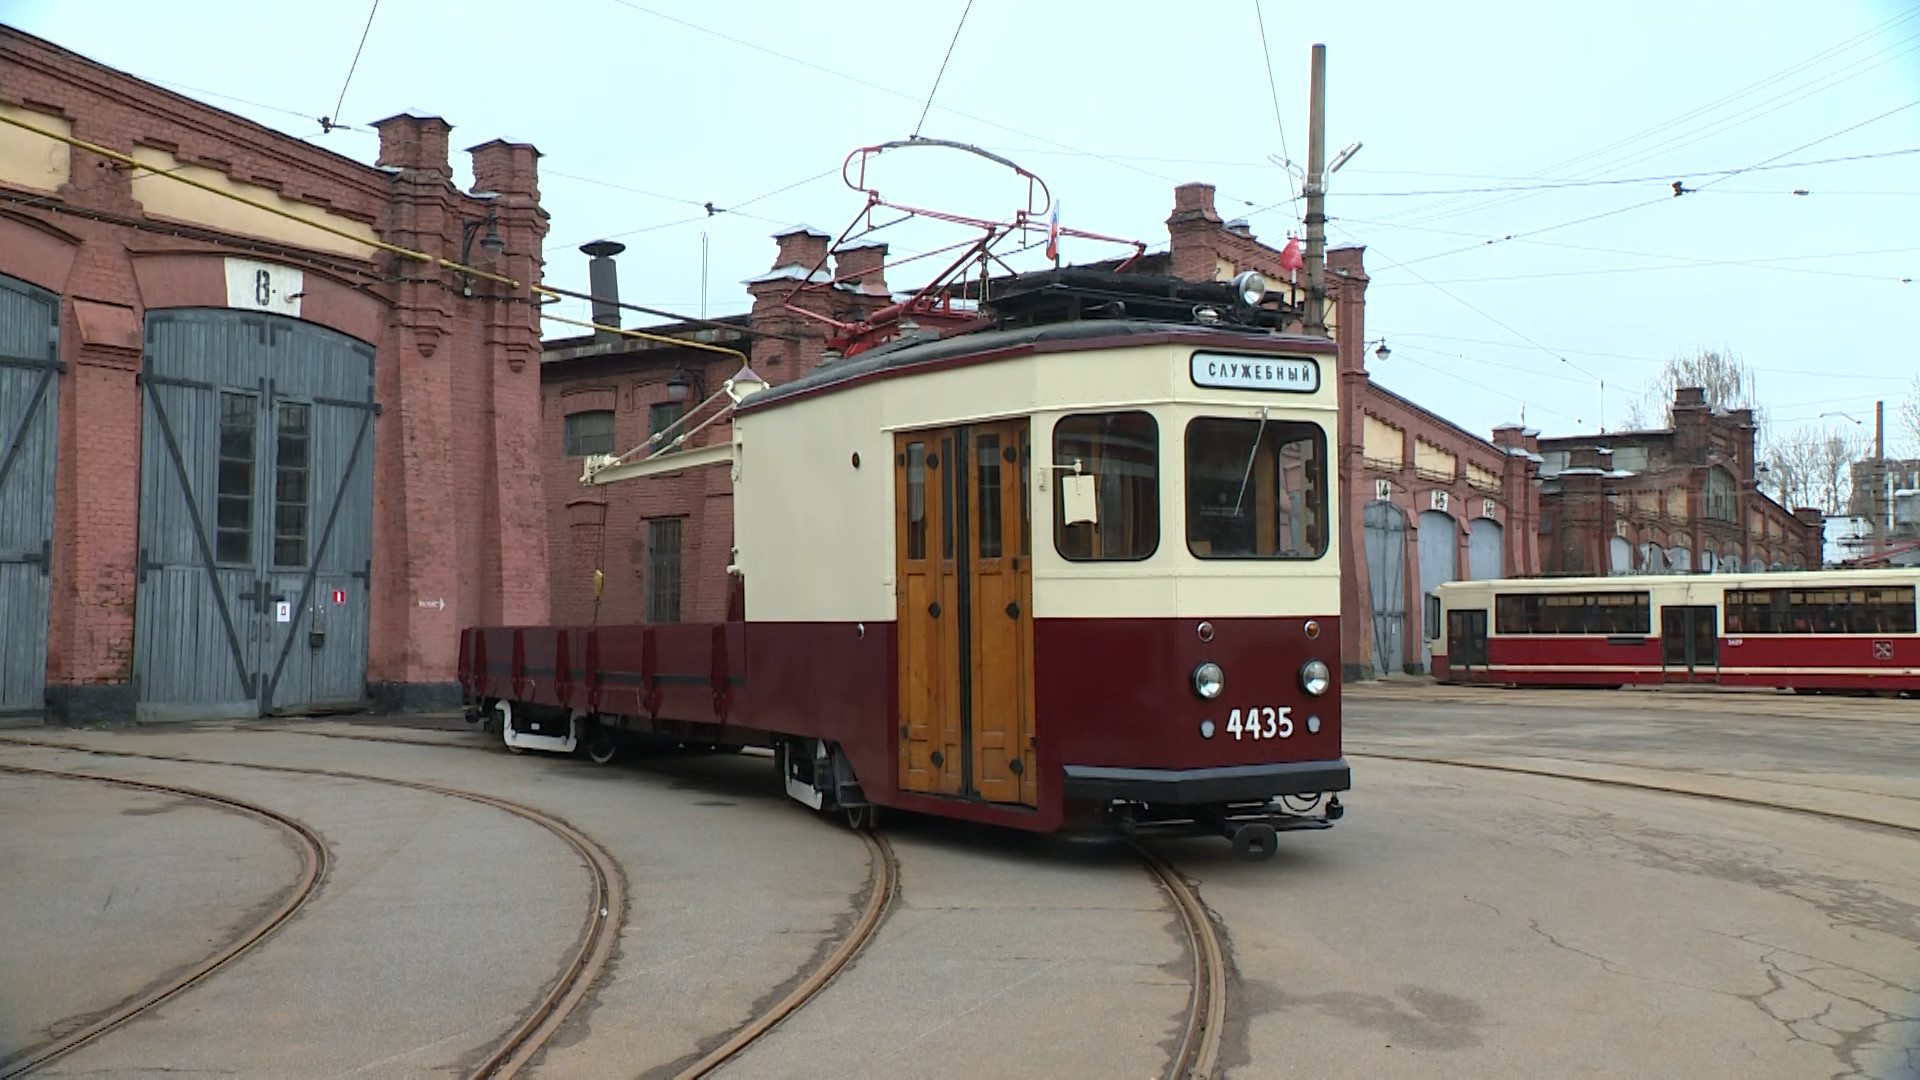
(259, 286)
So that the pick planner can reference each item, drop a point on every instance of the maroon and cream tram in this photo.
(1832, 630)
(1075, 567)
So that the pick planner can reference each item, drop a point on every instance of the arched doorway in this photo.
(1486, 549)
(1439, 555)
(1384, 533)
(256, 516)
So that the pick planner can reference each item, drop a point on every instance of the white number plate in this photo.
(1261, 722)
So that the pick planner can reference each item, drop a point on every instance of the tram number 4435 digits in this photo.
(1261, 723)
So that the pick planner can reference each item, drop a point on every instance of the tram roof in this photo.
(1079, 335)
(1758, 579)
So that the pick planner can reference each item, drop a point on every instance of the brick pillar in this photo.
(417, 610)
(517, 593)
(97, 494)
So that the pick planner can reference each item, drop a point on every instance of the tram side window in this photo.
(1256, 489)
(1121, 451)
(1874, 610)
(1572, 613)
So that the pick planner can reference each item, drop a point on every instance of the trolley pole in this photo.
(1316, 257)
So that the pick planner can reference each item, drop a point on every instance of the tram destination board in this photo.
(1285, 374)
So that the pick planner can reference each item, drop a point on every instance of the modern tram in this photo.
(1818, 631)
(1076, 567)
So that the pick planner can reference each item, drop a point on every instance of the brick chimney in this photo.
(415, 143)
(801, 245)
(863, 265)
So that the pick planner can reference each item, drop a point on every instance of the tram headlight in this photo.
(1249, 288)
(1209, 680)
(1315, 678)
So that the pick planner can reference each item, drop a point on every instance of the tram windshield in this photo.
(1256, 489)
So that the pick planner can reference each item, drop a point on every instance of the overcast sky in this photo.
(747, 104)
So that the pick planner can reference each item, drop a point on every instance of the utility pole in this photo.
(1316, 259)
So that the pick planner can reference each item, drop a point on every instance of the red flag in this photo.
(1291, 257)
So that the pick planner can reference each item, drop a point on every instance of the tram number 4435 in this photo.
(1261, 723)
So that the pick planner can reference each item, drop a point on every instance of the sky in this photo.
(1514, 186)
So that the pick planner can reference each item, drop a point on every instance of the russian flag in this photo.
(1053, 235)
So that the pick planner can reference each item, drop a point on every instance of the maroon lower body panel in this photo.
(1109, 693)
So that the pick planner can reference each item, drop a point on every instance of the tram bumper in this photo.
(1219, 784)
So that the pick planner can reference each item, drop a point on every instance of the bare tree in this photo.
(1907, 416)
(1728, 381)
(1812, 466)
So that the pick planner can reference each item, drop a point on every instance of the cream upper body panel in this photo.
(815, 533)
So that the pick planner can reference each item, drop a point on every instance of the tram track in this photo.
(1198, 1051)
(884, 886)
(581, 971)
(1644, 785)
(314, 862)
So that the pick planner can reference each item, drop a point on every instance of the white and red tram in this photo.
(1832, 630)
(1048, 574)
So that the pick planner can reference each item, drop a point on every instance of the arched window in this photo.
(1722, 490)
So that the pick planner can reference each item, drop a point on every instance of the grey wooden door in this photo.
(1385, 537)
(1439, 551)
(1486, 549)
(256, 507)
(29, 398)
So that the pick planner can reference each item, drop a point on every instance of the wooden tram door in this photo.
(964, 588)
(1690, 642)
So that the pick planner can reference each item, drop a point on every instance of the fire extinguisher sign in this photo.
(339, 596)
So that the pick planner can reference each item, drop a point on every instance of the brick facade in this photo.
(607, 528)
(458, 512)
(1682, 498)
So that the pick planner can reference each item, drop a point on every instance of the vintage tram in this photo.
(1831, 631)
(1074, 567)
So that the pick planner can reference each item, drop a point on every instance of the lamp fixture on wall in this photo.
(682, 381)
(1380, 353)
(490, 245)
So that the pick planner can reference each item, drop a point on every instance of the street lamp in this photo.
(1824, 415)
(1380, 353)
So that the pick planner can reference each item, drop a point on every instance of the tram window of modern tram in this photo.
(1121, 451)
(1614, 614)
(1886, 610)
(1248, 501)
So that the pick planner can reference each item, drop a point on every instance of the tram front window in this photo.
(1121, 452)
(1256, 489)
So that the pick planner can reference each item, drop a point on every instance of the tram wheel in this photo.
(601, 748)
(862, 818)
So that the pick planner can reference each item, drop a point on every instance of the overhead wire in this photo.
(1273, 93)
(961, 25)
(1451, 208)
(326, 123)
(890, 91)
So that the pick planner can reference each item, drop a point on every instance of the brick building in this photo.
(1437, 502)
(1685, 498)
(257, 463)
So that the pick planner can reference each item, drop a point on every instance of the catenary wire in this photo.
(924, 109)
(325, 121)
(1273, 93)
